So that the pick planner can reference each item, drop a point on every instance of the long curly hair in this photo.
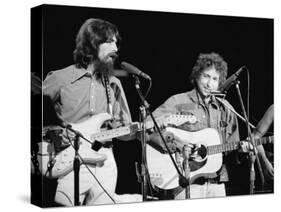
(206, 61)
(91, 34)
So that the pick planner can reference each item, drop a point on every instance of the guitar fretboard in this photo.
(109, 134)
(134, 127)
(215, 149)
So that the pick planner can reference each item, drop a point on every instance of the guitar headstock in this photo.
(176, 119)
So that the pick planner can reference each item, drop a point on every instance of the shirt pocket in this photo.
(191, 111)
(70, 98)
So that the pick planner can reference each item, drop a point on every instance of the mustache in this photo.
(113, 55)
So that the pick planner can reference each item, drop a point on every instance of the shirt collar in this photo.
(81, 72)
(193, 96)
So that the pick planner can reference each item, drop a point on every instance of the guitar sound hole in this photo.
(198, 158)
(200, 153)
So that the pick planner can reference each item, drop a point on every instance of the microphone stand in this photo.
(76, 163)
(143, 108)
(183, 182)
(252, 153)
(143, 161)
(76, 168)
(186, 169)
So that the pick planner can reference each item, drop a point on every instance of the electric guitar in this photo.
(206, 160)
(54, 165)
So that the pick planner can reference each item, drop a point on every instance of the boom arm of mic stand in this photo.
(77, 133)
(233, 111)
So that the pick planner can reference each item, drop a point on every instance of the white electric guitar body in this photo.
(62, 162)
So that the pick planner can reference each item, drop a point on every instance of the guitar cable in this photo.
(87, 167)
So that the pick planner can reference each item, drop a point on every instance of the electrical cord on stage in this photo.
(83, 162)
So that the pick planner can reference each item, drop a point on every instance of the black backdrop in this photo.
(166, 46)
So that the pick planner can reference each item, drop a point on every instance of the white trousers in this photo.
(90, 192)
(206, 190)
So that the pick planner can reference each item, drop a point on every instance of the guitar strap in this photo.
(108, 95)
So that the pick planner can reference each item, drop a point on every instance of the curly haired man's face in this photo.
(208, 81)
(108, 51)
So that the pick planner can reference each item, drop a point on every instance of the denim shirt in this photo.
(209, 115)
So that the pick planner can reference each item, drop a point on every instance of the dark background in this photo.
(166, 46)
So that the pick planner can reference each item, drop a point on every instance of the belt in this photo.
(97, 145)
(202, 181)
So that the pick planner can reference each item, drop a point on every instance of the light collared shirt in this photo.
(78, 94)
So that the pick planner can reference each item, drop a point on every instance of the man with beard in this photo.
(85, 89)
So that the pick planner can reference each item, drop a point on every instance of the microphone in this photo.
(228, 83)
(120, 73)
(134, 70)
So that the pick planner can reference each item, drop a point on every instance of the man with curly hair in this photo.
(208, 74)
(85, 89)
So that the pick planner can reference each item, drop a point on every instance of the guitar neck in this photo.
(171, 119)
(120, 131)
(215, 149)
(113, 133)
(135, 127)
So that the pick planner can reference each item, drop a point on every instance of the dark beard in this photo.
(104, 68)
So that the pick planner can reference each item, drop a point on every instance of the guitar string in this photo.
(235, 145)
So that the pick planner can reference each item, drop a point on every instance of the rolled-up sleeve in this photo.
(51, 86)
